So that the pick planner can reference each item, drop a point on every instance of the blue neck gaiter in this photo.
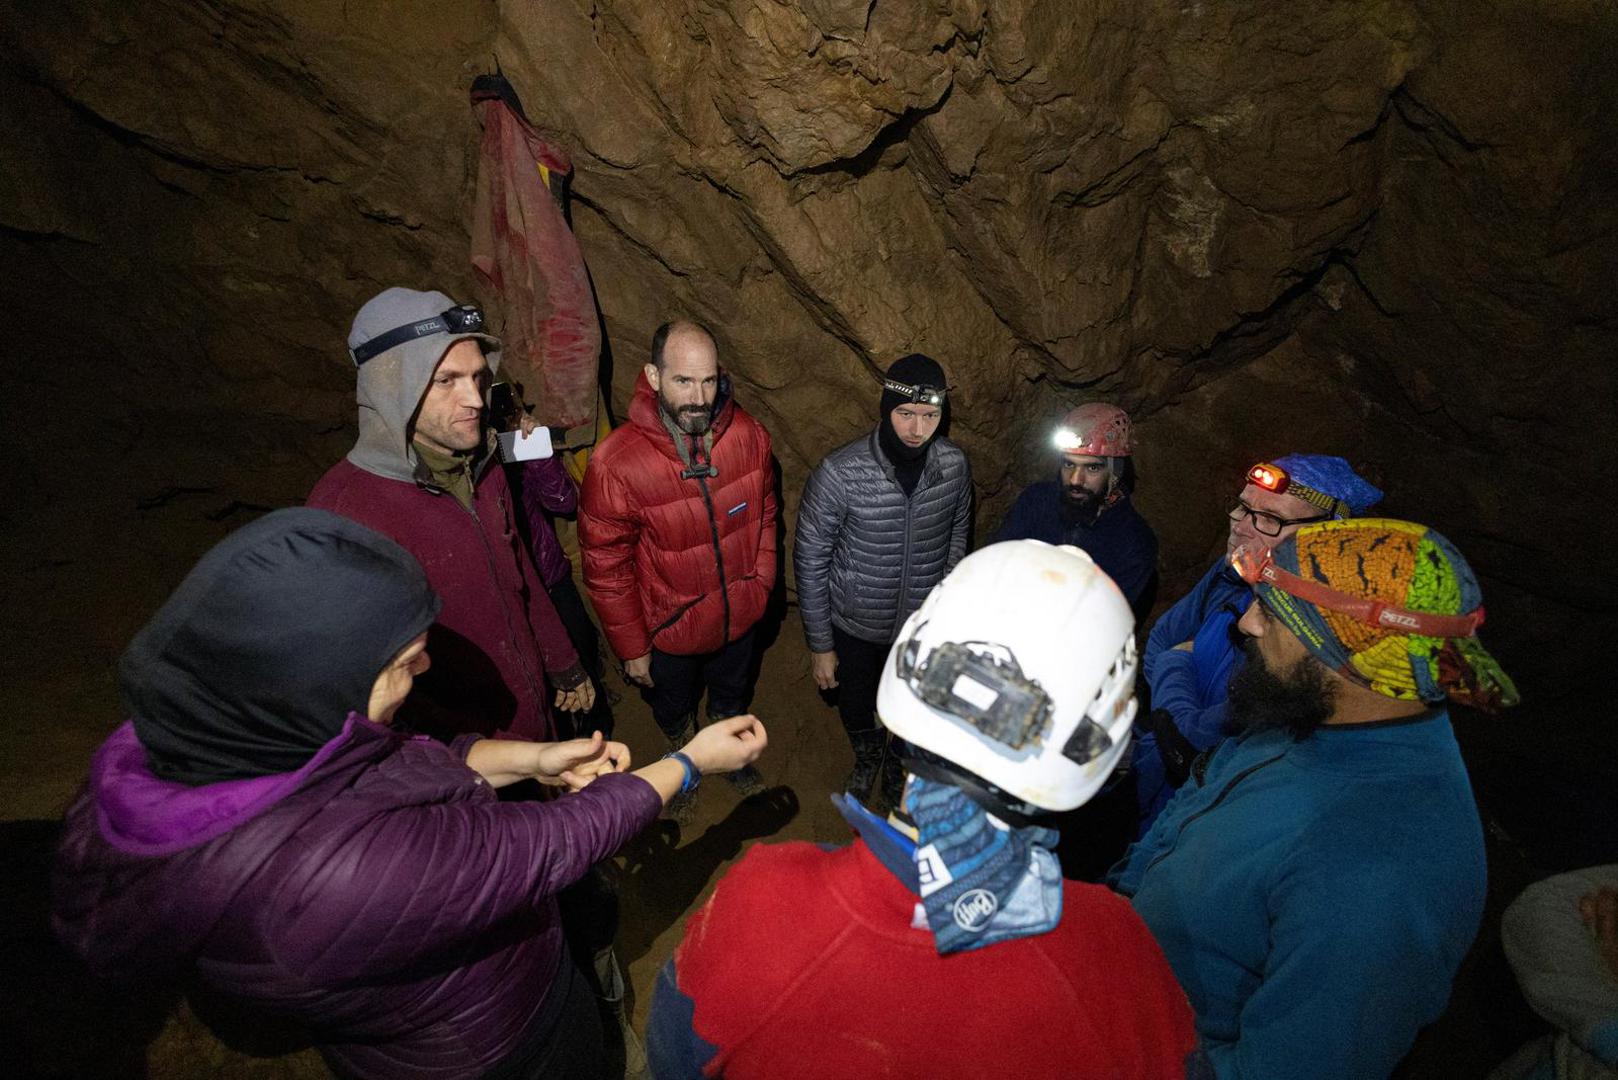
(981, 880)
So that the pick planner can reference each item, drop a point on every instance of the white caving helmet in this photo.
(1019, 668)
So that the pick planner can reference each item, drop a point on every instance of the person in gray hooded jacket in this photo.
(882, 520)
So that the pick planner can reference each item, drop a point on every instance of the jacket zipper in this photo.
(1186, 824)
(718, 552)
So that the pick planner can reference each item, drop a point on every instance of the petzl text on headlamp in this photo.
(1272, 477)
(1259, 568)
(917, 395)
(463, 319)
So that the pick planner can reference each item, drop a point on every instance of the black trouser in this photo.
(576, 620)
(859, 670)
(678, 682)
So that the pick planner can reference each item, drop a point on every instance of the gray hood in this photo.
(391, 384)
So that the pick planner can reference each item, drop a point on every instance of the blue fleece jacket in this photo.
(1120, 540)
(1190, 685)
(1315, 898)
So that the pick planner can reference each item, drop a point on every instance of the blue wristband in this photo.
(693, 775)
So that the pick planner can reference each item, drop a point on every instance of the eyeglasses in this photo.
(1259, 567)
(1269, 524)
(462, 319)
(917, 395)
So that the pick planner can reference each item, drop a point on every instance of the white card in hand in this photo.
(514, 446)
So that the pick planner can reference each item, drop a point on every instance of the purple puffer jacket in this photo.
(380, 895)
(547, 490)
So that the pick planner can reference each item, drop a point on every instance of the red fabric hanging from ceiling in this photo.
(530, 264)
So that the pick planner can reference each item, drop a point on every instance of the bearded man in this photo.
(677, 529)
(1088, 505)
(1317, 881)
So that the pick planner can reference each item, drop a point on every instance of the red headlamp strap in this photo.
(1370, 612)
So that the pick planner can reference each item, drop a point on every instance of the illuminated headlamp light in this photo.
(917, 395)
(1067, 440)
(1274, 478)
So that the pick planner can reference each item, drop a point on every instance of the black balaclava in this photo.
(272, 639)
(913, 370)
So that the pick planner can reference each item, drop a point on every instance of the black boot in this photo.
(683, 806)
(867, 762)
(746, 779)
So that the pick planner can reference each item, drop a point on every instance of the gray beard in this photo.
(693, 420)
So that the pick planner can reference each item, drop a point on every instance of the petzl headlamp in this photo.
(1257, 568)
(463, 319)
(1272, 477)
(917, 395)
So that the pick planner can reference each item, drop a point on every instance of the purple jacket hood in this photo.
(381, 895)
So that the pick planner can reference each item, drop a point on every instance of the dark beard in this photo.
(1296, 701)
(1079, 507)
(691, 419)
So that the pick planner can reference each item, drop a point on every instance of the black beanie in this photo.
(913, 370)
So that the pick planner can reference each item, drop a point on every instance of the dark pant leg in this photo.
(728, 675)
(676, 688)
(859, 670)
(576, 620)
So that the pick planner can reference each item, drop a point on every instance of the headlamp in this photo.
(1067, 440)
(1259, 568)
(983, 686)
(462, 319)
(917, 395)
(1272, 477)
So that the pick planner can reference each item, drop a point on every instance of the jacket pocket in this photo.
(677, 615)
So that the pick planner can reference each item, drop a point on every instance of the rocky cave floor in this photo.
(69, 1027)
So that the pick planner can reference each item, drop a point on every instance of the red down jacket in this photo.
(686, 565)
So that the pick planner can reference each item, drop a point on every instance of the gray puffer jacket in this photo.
(864, 555)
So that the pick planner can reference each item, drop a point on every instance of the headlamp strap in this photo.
(464, 319)
(932, 395)
(1370, 612)
(1272, 477)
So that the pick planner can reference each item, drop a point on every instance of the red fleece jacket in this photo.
(806, 964)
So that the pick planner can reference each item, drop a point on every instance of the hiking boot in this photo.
(867, 762)
(746, 781)
(682, 809)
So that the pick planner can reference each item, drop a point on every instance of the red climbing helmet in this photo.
(1096, 429)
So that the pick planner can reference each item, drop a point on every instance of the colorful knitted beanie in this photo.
(1403, 565)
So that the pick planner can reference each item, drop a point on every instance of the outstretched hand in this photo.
(577, 762)
(727, 745)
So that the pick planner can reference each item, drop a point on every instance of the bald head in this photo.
(684, 373)
(680, 336)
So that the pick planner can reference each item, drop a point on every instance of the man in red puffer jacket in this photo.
(677, 526)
